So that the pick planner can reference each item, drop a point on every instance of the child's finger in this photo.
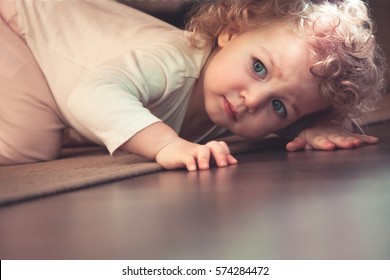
(345, 142)
(203, 157)
(299, 143)
(224, 146)
(191, 164)
(219, 153)
(367, 139)
(230, 158)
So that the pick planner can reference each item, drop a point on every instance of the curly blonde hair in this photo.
(340, 33)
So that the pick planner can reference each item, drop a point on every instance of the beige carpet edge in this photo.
(15, 188)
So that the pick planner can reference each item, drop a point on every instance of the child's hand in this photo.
(160, 142)
(193, 156)
(328, 137)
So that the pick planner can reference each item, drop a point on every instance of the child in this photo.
(128, 81)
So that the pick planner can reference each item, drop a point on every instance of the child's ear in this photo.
(225, 36)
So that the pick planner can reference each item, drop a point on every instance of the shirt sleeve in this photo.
(111, 103)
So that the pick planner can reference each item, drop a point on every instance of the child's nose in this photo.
(254, 99)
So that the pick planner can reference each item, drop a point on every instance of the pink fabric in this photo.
(9, 14)
(30, 126)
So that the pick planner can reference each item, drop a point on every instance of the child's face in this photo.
(259, 81)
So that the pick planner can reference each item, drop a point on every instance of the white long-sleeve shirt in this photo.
(112, 70)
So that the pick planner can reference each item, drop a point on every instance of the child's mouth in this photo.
(229, 109)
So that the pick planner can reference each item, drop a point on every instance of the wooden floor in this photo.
(273, 205)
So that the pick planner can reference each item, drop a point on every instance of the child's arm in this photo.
(326, 135)
(160, 142)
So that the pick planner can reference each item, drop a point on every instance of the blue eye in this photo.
(279, 108)
(259, 68)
